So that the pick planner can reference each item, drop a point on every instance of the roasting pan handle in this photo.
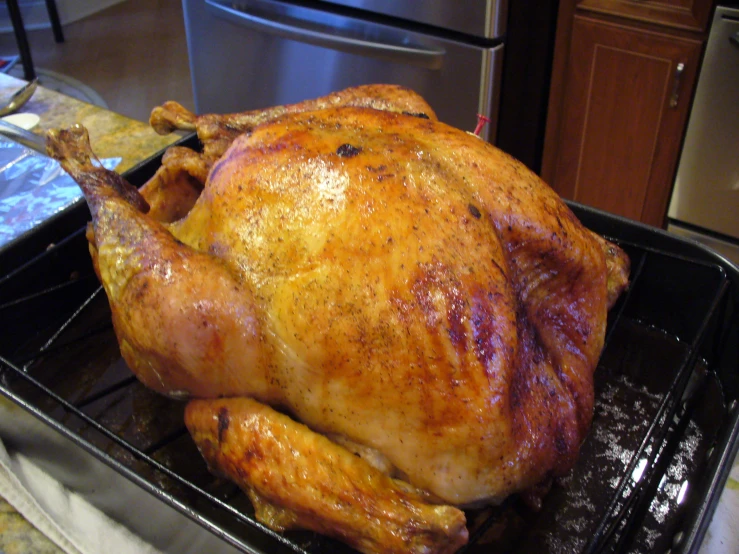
(303, 30)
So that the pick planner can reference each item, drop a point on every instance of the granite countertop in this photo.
(18, 536)
(111, 135)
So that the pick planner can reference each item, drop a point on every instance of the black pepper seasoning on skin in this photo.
(348, 151)
(474, 211)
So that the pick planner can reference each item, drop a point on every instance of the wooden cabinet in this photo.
(618, 110)
(680, 14)
(627, 100)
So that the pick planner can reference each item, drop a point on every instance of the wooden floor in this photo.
(133, 54)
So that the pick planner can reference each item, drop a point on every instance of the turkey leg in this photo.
(174, 344)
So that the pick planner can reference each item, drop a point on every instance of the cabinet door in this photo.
(681, 14)
(626, 101)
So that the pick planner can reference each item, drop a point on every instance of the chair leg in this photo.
(56, 25)
(21, 39)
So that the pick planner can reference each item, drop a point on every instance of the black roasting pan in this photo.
(651, 471)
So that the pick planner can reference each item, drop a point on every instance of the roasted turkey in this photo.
(380, 319)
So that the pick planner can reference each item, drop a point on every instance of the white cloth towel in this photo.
(64, 517)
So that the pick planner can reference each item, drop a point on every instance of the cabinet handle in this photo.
(677, 80)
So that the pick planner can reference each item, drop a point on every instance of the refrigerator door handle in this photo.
(430, 58)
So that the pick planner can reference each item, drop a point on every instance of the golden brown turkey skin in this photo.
(428, 295)
(217, 131)
(176, 186)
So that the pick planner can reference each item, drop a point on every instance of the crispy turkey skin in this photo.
(384, 279)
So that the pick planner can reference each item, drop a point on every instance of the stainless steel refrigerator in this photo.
(248, 54)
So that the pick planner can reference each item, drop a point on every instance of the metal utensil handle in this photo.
(677, 81)
(425, 57)
(24, 137)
